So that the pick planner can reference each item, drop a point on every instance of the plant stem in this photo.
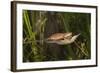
(80, 48)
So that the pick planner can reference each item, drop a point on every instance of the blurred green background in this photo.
(39, 25)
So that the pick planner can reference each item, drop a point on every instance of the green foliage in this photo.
(37, 25)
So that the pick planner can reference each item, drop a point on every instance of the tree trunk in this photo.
(53, 51)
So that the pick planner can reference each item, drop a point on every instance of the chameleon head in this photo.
(68, 34)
